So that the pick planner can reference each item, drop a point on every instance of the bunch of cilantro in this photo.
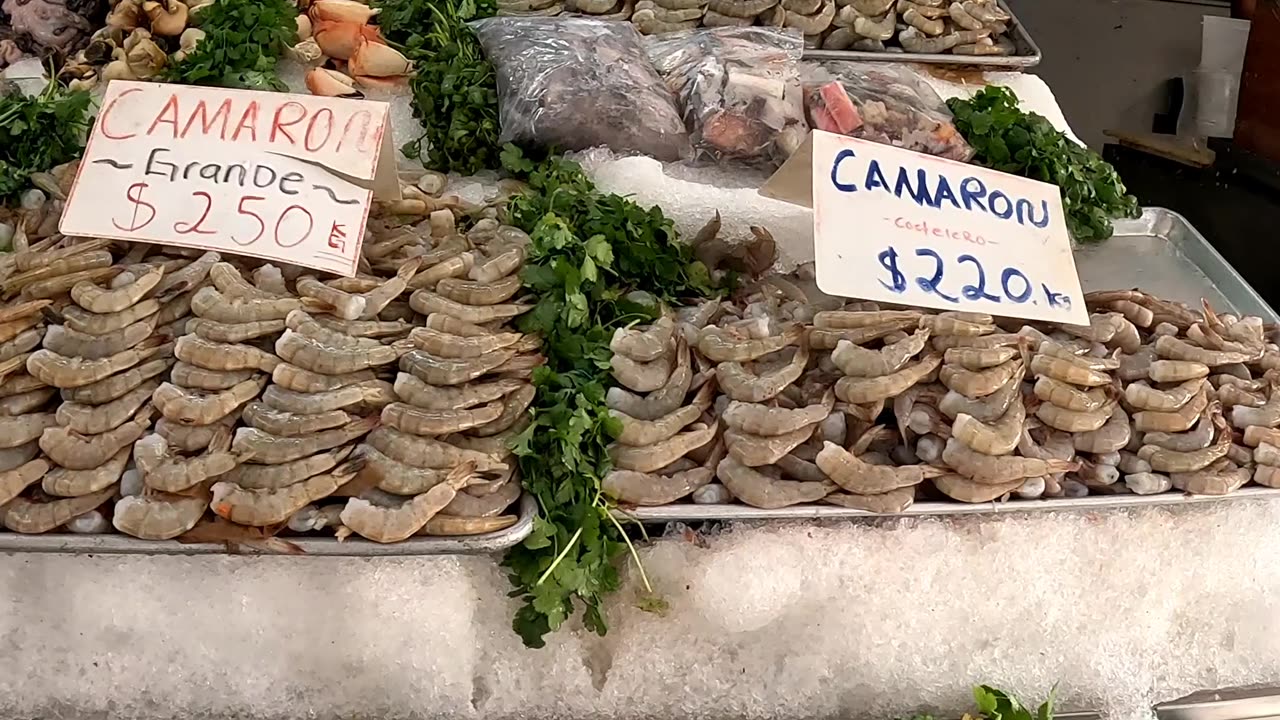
(455, 91)
(589, 251)
(243, 41)
(1009, 140)
(39, 133)
(994, 704)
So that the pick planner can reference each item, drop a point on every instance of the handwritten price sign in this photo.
(282, 177)
(902, 227)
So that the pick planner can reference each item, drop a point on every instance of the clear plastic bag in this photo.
(739, 88)
(885, 103)
(574, 83)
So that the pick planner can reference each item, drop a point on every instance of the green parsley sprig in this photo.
(1009, 140)
(589, 251)
(994, 704)
(243, 41)
(38, 133)
(455, 91)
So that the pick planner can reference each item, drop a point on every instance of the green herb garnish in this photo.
(994, 704)
(588, 251)
(455, 91)
(243, 41)
(1009, 140)
(39, 133)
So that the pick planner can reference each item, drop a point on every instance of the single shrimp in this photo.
(27, 402)
(465, 504)
(1166, 461)
(1114, 434)
(373, 393)
(758, 419)
(292, 377)
(457, 346)
(274, 477)
(189, 276)
(657, 488)
(662, 453)
(1173, 422)
(979, 358)
(998, 438)
(757, 450)
(444, 371)
(345, 305)
(827, 339)
(419, 421)
(719, 346)
(76, 452)
(228, 280)
(389, 327)
(889, 503)
(288, 424)
(958, 487)
(476, 293)
(61, 482)
(159, 516)
(1067, 371)
(742, 385)
(97, 419)
(1173, 348)
(1268, 415)
(1220, 478)
(861, 362)
(1142, 396)
(210, 304)
(948, 324)
(992, 470)
(32, 517)
(427, 302)
(297, 349)
(641, 377)
(1074, 421)
(844, 319)
(515, 406)
(70, 372)
(1068, 396)
(757, 489)
(644, 345)
(662, 401)
(196, 407)
(261, 508)
(979, 383)
(398, 478)
(223, 356)
(860, 391)
(1196, 438)
(430, 453)
(393, 524)
(96, 299)
(237, 333)
(377, 299)
(189, 376)
(861, 478)
(16, 480)
(986, 409)
(266, 449)
(1176, 370)
(168, 472)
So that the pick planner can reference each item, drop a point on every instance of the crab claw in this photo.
(331, 83)
(377, 60)
(338, 40)
(341, 11)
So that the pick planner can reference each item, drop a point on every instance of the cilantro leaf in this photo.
(38, 133)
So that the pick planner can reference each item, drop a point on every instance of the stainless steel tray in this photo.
(689, 512)
(1028, 52)
(1159, 252)
(1162, 253)
(114, 544)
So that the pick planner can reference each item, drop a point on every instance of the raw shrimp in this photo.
(1235, 395)
(860, 391)
(1176, 370)
(1142, 396)
(288, 424)
(1111, 437)
(65, 341)
(844, 319)
(378, 298)
(457, 346)
(1255, 435)
(210, 304)
(22, 429)
(458, 265)
(1268, 415)
(196, 407)
(419, 421)
(56, 286)
(824, 339)
(740, 384)
(273, 477)
(1221, 478)
(115, 386)
(375, 393)
(387, 525)
(766, 421)
(192, 377)
(365, 328)
(641, 377)
(95, 299)
(260, 508)
(427, 302)
(344, 305)
(514, 407)
(1074, 421)
(1173, 348)
(61, 482)
(859, 477)
(986, 409)
(981, 342)
(292, 377)
(1067, 371)
(430, 453)
(644, 345)
(267, 449)
(499, 267)
(992, 470)
(998, 438)
(1068, 396)
(663, 453)
(310, 354)
(15, 480)
(306, 325)
(464, 504)
(1173, 422)
(718, 346)
(187, 278)
(650, 489)
(958, 487)
(97, 419)
(757, 450)
(71, 372)
(450, 526)
(951, 324)
(399, 478)
(476, 293)
(237, 333)
(889, 503)
(979, 358)
(28, 340)
(223, 356)
(759, 490)
(27, 402)
(445, 371)
(228, 280)
(34, 518)
(861, 362)
(413, 391)
(979, 383)
(158, 516)
(1197, 438)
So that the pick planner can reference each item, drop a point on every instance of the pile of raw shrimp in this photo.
(153, 390)
(789, 396)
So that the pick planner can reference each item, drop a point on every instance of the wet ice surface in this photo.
(1124, 609)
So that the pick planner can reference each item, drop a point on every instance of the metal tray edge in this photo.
(1221, 273)
(692, 512)
(115, 544)
(1009, 62)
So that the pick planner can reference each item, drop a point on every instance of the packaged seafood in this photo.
(574, 83)
(739, 90)
(888, 104)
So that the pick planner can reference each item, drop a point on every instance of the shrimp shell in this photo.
(652, 489)
(388, 525)
(89, 323)
(1068, 396)
(196, 407)
(260, 508)
(1173, 348)
(289, 424)
(427, 302)
(979, 383)
(345, 305)
(740, 384)
(979, 358)
(61, 371)
(274, 477)
(237, 333)
(661, 454)
(115, 386)
(34, 518)
(1176, 370)
(192, 377)
(22, 429)
(97, 419)
(61, 482)
(266, 449)
(16, 480)
(962, 489)
(994, 470)
(759, 490)
(1142, 396)
(719, 347)
(986, 409)
(757, 450)
(210, 304)
(370, 392)
(223, 356)
(644, 345)
(862, 478)
(292, 377)
(758, 419)
(641, 377)
(419, 421)
(96, 299)
(430, 453)
(1221, 478)
(1174, 422)
(159, 516)
(998, 438)
(444, 371)
(860, 391)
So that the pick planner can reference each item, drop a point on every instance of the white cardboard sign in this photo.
(898, 226)
(283, 177)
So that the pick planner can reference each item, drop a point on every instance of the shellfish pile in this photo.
(967, 27)
(154, 388)
(788, 396)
